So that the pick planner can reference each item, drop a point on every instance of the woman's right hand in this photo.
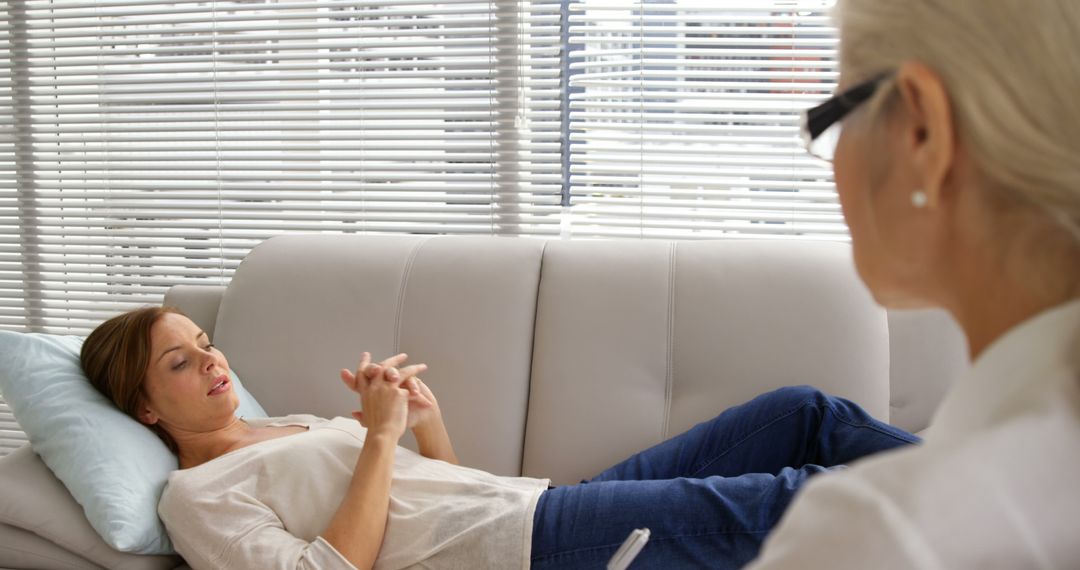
(357, 529)
(384, 402)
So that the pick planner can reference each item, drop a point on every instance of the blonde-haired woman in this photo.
(958, 169)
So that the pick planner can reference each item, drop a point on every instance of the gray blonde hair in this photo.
(1012, 71)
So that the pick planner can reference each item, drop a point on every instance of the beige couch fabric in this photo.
(927, 351)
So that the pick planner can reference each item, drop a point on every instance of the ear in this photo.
(146, 415)
(929, 132)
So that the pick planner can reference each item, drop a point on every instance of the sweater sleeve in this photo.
(239, 532)
(844, 522)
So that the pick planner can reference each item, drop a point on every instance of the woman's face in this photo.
(187, 385)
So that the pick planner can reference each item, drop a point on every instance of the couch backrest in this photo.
(558, 358)
(300, 308)
(637, 341)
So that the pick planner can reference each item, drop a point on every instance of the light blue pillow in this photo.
(114, 466)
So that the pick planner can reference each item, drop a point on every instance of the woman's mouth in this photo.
(221, 385)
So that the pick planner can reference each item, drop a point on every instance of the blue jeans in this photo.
(711, 495)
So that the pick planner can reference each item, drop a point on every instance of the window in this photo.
(684, 119)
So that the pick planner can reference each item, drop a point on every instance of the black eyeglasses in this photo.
(821, 124)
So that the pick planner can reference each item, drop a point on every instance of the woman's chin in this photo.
(226, 406)
(900, 300)
(885, 290)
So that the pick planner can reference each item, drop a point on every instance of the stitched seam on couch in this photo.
(669, 381)
(401, 295)
(532, 354)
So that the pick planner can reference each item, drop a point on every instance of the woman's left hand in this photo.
(423, 407)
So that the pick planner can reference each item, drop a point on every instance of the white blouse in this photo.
(263, 506)
(995, 485)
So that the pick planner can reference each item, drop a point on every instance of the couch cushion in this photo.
(199, 302)
(301, 307)
(636, 341)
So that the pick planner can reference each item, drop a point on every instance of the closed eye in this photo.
(183, 363)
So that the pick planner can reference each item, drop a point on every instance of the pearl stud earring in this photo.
(919, 199)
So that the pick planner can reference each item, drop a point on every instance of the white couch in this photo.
(559, 358)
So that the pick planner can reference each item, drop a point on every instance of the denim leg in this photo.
(712, 522)
(789, 427)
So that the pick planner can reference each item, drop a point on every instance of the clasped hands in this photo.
(392, 399)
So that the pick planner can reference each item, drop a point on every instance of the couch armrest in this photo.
(927, 352)
(199, 302)
(20, 548)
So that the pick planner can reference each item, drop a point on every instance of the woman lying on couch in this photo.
(305, 492)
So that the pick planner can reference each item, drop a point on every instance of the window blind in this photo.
(11, 282)
(160, 141)
(11, 437)
(684, 119)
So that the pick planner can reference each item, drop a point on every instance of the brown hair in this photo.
(115, 358)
